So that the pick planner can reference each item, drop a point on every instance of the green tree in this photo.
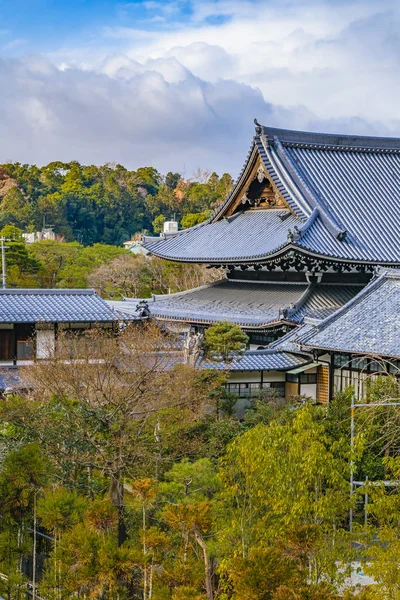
(23, 474)
(21, 267)
(286, 485)
(223, 341)
(192, 219)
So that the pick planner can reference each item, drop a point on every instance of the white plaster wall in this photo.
(308, 389)
(255, 376)
(45, 343)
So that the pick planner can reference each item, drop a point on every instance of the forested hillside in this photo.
(106, 204)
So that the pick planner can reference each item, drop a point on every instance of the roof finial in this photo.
(258, 127)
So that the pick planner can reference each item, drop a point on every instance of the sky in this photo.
(176, 84)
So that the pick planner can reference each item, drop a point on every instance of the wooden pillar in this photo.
(332, 376)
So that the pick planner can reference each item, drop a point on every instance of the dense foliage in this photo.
(112, 271)
(144, 486)
(106, 204)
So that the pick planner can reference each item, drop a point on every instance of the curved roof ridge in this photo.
(310, 221)
(236, 185)
(341, 141)
(294, 200)
(314, 201)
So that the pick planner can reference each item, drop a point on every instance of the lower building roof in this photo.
(260, 360)
(12, 379)
(53, 306)
(249, 304)
(367, 324)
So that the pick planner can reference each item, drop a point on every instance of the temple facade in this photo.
(309, 219)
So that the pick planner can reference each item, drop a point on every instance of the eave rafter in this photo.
(300, 259)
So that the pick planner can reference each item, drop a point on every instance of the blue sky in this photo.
(177, 83)
(45, 25)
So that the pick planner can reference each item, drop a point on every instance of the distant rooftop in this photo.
(260, 360)
(53, 306)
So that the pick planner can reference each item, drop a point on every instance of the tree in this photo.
(107, 400)
(137, 276)
(223, 341)
(21, 267)
(15, 210)
(192, 219)
(24, 473)
(188, 491)
(126, 276)
(285, 486)
(158, 224)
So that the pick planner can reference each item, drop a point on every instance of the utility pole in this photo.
(3, 262)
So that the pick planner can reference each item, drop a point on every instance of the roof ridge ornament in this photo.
(259, 128)
(261, 133)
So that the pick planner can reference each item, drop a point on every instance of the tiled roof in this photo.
(260, 360)
(367, 324)
(249, 304)
(343, 191)
(249, 235)
(53, 306)
(291, 341)
(12, 378)
(327, 298)
(245, 303)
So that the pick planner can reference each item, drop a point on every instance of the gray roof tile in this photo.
(352, 181)
(249, 304)
(367, 324)
(249, 235)
(53, 306)
(260, 360)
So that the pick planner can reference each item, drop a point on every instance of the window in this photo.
(292, 378)
(25, 349)
(342, 360)
(251, 390)
(279, 387)
(308, 378)
(261, 338)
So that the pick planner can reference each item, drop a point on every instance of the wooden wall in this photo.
(323, 384)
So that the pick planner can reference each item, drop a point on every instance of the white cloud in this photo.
(186, 97)
(334, 57)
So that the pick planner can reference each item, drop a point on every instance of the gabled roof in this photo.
(367, 324)
(342, 195)
(249, 304)
(53, 306)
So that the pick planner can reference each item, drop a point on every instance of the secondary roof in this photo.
(53, 306)
(249, 304)
(260, 360)
(368, 324)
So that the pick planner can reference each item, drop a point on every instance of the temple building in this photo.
(309, 219)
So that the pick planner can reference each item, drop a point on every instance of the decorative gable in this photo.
(256, 192)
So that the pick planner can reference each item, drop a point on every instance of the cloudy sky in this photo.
(177, 83)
